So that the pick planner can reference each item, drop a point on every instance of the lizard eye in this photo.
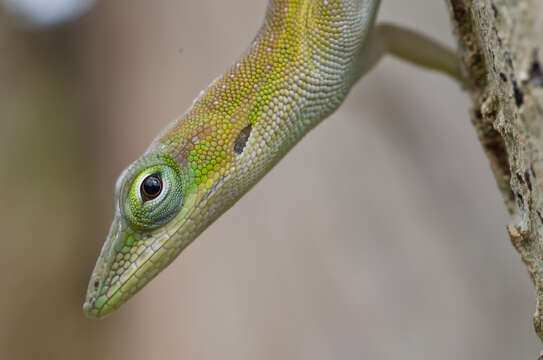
(151, 187)
(152, 193)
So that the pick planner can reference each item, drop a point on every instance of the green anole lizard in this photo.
(302, 64)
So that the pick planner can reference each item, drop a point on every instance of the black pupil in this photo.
(151, 186)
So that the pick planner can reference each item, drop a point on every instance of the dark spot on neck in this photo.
(242, 138)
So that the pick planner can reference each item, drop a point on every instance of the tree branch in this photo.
(499, 50)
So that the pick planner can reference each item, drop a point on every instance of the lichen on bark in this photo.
(499, 48)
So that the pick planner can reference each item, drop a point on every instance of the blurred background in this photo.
(405, 256)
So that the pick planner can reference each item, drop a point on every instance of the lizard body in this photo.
(298, 70)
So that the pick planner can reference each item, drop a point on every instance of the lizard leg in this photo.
(412, 47)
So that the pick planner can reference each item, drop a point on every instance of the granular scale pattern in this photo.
(298, 70)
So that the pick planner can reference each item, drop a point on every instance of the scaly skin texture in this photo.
(298, 70)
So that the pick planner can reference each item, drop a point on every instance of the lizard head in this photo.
(153, 197)
(166, 198)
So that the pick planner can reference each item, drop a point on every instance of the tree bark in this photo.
(499, 50)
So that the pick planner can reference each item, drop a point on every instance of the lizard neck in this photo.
(297, 71)
(300, 67)
(326, 39)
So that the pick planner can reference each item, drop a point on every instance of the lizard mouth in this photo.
(128, 260)
(132, 257)
(89, 307)
(95, 299)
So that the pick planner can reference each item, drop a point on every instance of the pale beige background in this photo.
(380, 236)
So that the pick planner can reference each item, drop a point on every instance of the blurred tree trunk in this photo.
(499, 47)
(46, 218)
